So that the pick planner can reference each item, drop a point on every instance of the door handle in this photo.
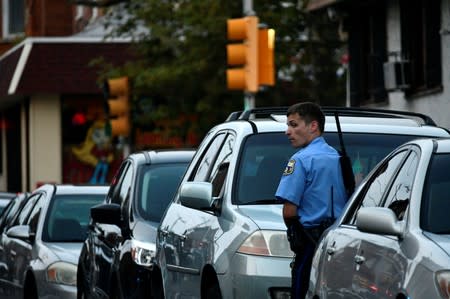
(331, 250)
(359, 259)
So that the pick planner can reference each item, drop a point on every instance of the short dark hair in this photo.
(309, 112)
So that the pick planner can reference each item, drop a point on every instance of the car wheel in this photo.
(30, 289)
(213, 290)
(81, 285)
(157, 289)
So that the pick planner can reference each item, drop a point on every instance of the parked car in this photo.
(5, 198)
(117, 256)
(392, 240)
(223, 235)
(6, 221)
(42, 245)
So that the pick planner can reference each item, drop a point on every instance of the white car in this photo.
(223, 235)
(393, 239)
(42, 245)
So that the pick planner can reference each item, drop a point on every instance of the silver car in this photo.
(42, 246)
(393, 239)
(223, 235)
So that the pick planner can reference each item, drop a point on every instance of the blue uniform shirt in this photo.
(310, 175)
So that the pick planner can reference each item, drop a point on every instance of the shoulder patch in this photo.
(289, 167)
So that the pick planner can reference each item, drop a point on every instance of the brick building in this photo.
(50, 98)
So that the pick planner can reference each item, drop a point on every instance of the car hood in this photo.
(145, 231)
(442, 241)
(265, 216)
(68, 252)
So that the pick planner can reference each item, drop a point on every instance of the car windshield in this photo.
(265, 156)
(436, 197)
(68, 217)
(157, 185)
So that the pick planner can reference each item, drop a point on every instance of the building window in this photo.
(367, 49)
(13, 17)
(421, 43)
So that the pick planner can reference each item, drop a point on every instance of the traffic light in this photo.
(253, 58)
(266, 45)
(117, 92)
(244, 54)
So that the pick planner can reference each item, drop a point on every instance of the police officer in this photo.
(311, 188)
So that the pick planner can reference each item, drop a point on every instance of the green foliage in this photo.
(181, 56)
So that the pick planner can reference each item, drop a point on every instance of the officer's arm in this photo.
(289, 213)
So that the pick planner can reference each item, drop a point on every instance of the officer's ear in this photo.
(313, 126)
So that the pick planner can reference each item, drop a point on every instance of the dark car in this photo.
(117, 256)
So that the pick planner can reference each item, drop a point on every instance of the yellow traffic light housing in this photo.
(266, 67)
(244, 54)
(117, 94)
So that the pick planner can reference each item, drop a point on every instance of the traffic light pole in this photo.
(249, 97)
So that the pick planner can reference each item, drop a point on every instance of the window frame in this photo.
(7, 15)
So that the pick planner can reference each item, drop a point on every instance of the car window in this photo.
(261, 165)
(157, 186)
(374, 190)
(26, 209)
(68, 216)
(9, 211)
(121, 183)
(367, 150)
(436, 199)
(220, 168)
(400, 191)
(35, 213)
(204, 166)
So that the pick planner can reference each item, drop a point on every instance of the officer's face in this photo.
(299, 133)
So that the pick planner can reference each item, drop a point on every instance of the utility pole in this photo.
(249, 97)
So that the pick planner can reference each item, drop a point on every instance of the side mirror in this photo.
(197, 195)
(107, 214)
(378, 220)
(21, 232)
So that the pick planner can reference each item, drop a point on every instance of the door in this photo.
(190, 234)
(342, 271)
(383, 266)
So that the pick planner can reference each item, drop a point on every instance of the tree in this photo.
(181, 57)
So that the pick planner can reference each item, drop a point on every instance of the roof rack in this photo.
(374, 112)
(265, 112)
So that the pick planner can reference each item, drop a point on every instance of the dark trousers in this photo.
(301, 269)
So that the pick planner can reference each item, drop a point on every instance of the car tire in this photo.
(30, 289)
(80, 284)
(213, 290)
(157, 288)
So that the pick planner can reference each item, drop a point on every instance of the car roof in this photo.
(7, 195)
(62, 189)
(351, 120)
(161, 156)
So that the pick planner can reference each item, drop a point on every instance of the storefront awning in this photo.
(57, 65)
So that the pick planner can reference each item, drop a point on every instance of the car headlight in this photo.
(443, 283)
(143, 253)
(267, 243)
(62, 273)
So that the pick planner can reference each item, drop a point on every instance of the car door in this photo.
(19, 251)
(341, 255)
(382, 265)
(190, 234)
(106, 237)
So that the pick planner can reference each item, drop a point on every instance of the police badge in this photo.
(289, 167)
